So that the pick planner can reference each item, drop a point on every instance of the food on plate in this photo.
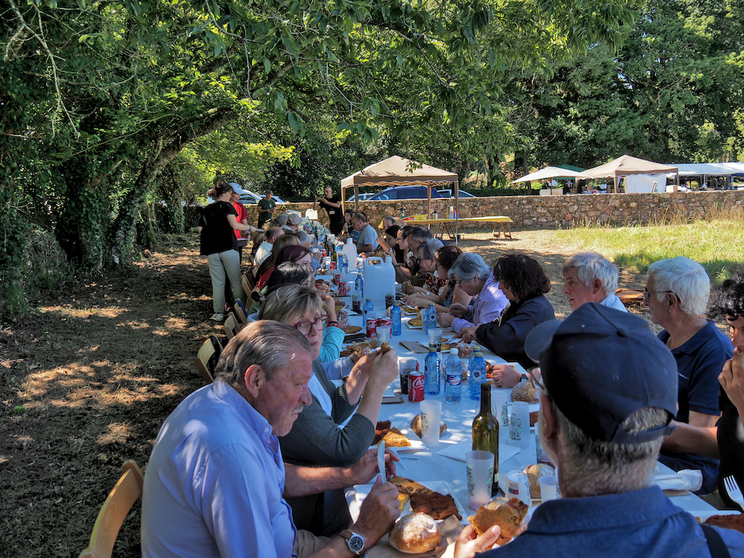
(408, 486)
(352, 329)
(384, 348)
(446, 347)
(393, 437)
(410, 310)
(359, 348)
(403, 499)
(415, 533)
(464, 350)
(415, 322)
(507, 514)
(439, 506)
(416, 426)
(534, 474)
(524, 391)
(727, 521)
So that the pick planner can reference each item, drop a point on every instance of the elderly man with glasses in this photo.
(474, 276)
(677, 293)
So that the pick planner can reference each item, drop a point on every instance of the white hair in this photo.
(685, 278)
(592, 265)
(469, 265)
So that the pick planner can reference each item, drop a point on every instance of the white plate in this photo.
(356, 495)
(408, 324)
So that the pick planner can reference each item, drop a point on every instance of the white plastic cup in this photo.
(518, 486)
(519, 424)
(500, 409)
(480, 477)
(383, 333)
(548, 488)
(431, 417)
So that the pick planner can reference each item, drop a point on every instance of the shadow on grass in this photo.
(718, 270)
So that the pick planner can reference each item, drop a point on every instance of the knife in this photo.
(381, 459)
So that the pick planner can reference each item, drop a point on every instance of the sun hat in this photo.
(600, 365)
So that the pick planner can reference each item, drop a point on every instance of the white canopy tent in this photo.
(704, 170)
(550, 172)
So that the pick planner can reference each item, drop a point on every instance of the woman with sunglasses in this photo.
(336, 429)
(524, 284)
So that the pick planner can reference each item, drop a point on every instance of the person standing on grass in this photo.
(242, 216)
(219, 244)
(332, 204)
(265, 209)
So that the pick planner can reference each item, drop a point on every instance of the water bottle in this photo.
(343, 263)
(476, 348)
(359, 286)
(367, 310)
(429, 320)
(477, 376)
(453, 378)
(395, 317)
(431, 372)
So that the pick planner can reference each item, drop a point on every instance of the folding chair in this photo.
(248, 283)
(114, 511)
(240, 312)
(206, 356)
(232, 327)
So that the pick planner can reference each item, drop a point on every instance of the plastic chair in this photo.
(240, 312)
(209, 348)
(114, 511)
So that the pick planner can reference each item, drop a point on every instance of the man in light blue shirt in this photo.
(215, 482)
(367, 241)
(590, 277)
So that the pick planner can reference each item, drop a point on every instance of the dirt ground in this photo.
(99, 367)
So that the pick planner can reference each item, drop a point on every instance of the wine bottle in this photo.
(486, 433)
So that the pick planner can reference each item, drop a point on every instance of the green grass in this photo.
(718, 245)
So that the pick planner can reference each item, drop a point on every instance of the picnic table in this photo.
(501, 224)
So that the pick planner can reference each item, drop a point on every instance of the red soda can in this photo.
(342, 288)
(371, 327)
(416, 385)
(323, 253)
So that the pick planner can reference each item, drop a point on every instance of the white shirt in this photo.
(263, 252)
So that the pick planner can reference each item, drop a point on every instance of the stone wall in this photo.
(560, 211)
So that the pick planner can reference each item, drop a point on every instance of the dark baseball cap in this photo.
(600, 365)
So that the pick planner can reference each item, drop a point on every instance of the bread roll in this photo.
(535, 473)
(416, 426)
(415, 533)
(524, 391)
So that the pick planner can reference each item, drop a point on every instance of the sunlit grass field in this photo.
(718, 244)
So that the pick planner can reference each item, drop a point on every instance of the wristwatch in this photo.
(353, 541)
(523, 377)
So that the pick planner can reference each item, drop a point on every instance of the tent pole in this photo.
(356, 198)
(457, 212)
(428, 203)
(343, 200)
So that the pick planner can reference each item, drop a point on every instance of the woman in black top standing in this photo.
(332, 205)
(220, 245)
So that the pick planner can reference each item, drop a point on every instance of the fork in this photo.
(734, 491)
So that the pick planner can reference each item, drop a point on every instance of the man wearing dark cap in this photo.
(609, 393)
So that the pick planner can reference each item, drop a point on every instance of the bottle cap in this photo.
(454, 351)
(478, 353)
(396, 303)
(432, 349)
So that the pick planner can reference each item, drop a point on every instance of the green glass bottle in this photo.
(486, 433)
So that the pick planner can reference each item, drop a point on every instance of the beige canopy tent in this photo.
(397, 171)
(627, 165)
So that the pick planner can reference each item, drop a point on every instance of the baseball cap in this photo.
(237, 189)
(600, 365)
(294, 219)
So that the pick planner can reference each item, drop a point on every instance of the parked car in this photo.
(250, 198)
(362, 197)
(461, 194)
(404, 193)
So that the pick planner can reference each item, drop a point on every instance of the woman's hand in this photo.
(468, 545)
(458, 310)
(329, 305)
(445, 319)
(343, 321)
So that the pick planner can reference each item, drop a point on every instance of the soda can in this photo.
(342, 291)
(371, 327)
(416, 385)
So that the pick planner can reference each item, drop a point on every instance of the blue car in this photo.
(405, 193)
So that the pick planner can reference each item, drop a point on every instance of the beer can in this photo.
(371, 327)
(416, 385)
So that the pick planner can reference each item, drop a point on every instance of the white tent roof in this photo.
(550, 172)
(710, 169)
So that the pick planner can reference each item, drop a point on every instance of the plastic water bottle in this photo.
(429, 320)
(395, 317)
(453, 378)
(476, 348)
(432, 375)
(343, 263)
(477, 376)
(368, 309)
(359, 286)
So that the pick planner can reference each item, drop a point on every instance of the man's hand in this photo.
(467, 334)
(732, 380)
(505, 376)
(445, 319)
(379, 511)
(458, 310)
(365, 469)
(468, 545)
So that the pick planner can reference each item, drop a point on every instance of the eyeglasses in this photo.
(461, 281)
(646, 292)
(306, 326)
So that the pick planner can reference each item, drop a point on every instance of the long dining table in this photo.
(446, 461)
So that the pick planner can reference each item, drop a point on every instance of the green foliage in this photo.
(12, 256)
